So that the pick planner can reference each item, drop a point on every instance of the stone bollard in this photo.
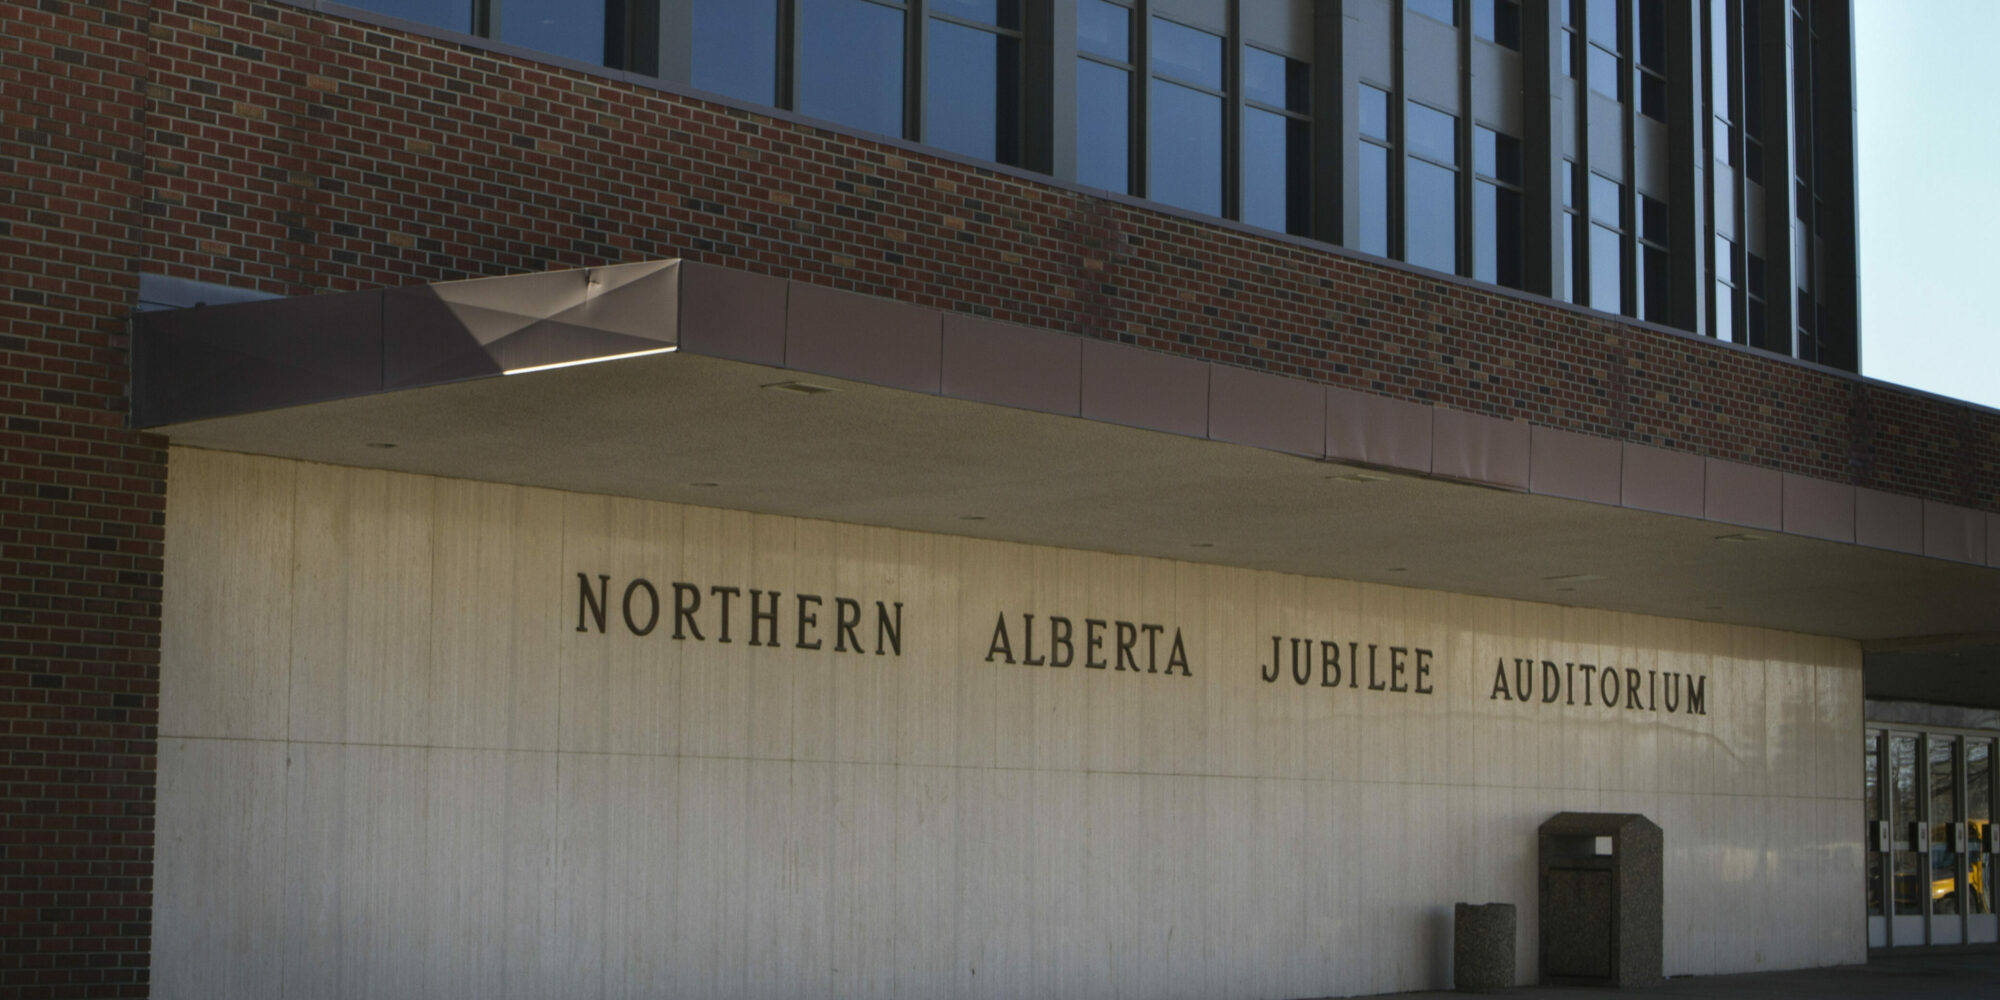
(1482, 947)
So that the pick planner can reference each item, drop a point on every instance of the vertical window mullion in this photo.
(1232, 110)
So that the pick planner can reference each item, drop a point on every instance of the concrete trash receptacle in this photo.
(1482, 947)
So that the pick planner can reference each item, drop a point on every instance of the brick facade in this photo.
(81, 502)
(267, 146)
(302, 153)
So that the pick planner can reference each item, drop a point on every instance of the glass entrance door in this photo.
(1982, 926)
(1945, 816)
(1907, 850)
(1930, 838)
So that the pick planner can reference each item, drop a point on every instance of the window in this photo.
(1438, 10)
(453, 15)
(1104, 96)
(1496, 207)
(1607, 244)
(1654, 260)
(1184, 155)
(1574, 233)
(1604, 72)
(1430, 188)
(851, 63)
(972, 80)
(734, 51)
(559, 27)
(1277, 142)
(1726, 326)
(1571, 41)
(1373, 171)
(1497, 21)
(1650, 30)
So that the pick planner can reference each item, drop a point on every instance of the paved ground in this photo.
(1905, 977)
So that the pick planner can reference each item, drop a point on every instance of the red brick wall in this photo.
(80, 510)
(303, 153)
(262, 145)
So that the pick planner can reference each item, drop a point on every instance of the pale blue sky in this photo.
(1927, 76)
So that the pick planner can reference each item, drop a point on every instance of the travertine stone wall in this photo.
(399, 757)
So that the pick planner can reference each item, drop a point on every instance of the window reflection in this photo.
(1374, 199)
(1430, 218)
(735, 48)
(1943, 760)
(1497, 21)
(1978, 817)
(1104, 96)
(455, 15)
(851, 64)
(1184, 120)
(1103, 125)
(971, 91)
(1904, 792)
(1277, 182)
(1441, 10)
(1430, 188)
(1104, 29)
(1186, 152)
(1277, 142)
(1496, 208)
(558, 27)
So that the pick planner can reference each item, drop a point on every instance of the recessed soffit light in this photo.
(1743, 537)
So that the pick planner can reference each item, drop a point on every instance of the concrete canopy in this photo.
(699, 385)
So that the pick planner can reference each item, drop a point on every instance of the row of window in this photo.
(1217, 107)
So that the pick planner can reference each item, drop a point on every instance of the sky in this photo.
(1927, 82)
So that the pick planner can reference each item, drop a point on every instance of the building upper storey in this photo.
(1684, 163)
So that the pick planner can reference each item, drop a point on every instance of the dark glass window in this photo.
(1104, 126)
(1277, 181)
(1601, 21)
(1277, 142)
(1184, 118)
(1653, 97)
(1186, 151)
(972, 90)
(1604, 73)
(1104, 29)
(1374, 197)
(1653, 285)
(1273, 80)
(455, 15)
(1604, 198)
(1606, 257)
(1432, 134)
(851, 64)
(558, 27)
(1104, 96)
(735, 48)
(1000, 13)
(1725, 290)
(1430, 188)
(1374, 113)
(1189, 55)
(1719, 43)
(1496, 207)
(1373, 189)
(1441, 10)
(1607, 243)
(1497, 21)
(1651, 30)
(1430, 217)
